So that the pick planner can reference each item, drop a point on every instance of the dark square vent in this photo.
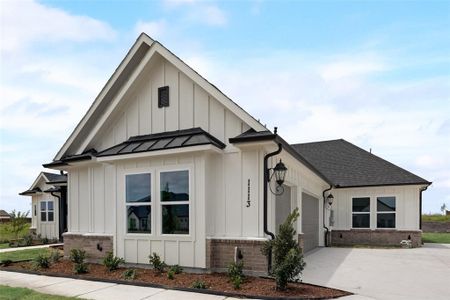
(163, 96)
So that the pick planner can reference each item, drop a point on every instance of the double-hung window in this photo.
(174, 191)
(47, 211)
(386, 212)
(138, 202)
(361, 212)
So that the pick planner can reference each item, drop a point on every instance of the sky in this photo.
(376, 73)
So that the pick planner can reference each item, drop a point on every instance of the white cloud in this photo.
(26, 22)
(202, 12)
(212, 15)
(155, 29)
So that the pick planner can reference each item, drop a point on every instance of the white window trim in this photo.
(46, 211)
(385, 212)
(361, 213)
(156, 216)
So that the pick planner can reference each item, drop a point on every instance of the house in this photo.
(4, 216)
(164, 162)
(48, 205)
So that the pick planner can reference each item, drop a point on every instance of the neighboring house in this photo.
(4, 216)
(48, 205)
(164, 162)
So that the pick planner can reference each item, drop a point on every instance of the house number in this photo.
(248, 193)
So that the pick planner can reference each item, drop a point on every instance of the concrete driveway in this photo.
(421, 273)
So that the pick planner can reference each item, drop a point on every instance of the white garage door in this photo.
(310, 222)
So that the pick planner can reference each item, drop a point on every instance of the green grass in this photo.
(13, 293)
(4, 246)
(19, 255)
(6, 235)
(438, 237)
(435, 218)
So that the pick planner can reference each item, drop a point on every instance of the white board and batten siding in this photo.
(48, 229)
(407, 205)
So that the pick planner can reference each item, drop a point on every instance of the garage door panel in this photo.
(310, 222)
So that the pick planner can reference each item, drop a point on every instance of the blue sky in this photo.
(373, 72)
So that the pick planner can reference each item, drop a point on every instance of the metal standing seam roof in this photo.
(347, 165)
(163, 141)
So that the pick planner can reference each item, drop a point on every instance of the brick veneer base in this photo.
(89, 243)
(220, 252)
(375, 237)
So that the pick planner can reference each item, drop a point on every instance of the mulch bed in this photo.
(217, 283)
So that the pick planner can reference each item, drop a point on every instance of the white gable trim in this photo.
(177, 62)
(141, 39)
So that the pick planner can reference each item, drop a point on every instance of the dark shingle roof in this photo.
(30, 192)
(163, 141)
(347, 165)
(52, 178)
(4, 213)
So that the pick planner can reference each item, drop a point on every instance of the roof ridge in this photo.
(325, 141)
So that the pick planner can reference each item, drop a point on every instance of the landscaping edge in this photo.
(152, 285)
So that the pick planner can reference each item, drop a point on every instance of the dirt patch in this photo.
(216, 282)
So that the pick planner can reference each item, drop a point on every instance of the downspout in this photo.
(420, 206)
(265, 187)
(59, 213)
(323, 218)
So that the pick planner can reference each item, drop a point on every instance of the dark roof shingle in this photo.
(347, 165)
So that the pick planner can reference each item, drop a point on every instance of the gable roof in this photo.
(4, 214)
(49, 178)
(347, 165)
(128, 70)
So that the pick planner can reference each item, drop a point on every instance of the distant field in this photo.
(6, 235)
(436, 237)
(435, 218)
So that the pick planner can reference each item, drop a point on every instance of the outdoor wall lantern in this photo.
(280, 173)
(330, 199)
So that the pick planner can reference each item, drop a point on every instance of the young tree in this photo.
(18, 222)
(288, 262)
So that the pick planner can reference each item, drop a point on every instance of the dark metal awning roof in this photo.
(31, 192)
(163, 141)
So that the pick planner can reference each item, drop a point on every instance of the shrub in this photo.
(77, 256)
(18, 222)
(55, 256)
(112, 262)
(42, 261)
(5, 262)
(288, 262)
(199, 284)
(129, 274)
(45, 240)
(235, 274)
(171, 274)
(176, 269)
(28, 240)
(157, 263)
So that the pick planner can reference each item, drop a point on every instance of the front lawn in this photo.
(4, 245)
(7, 235)
(13, 293)
(436, 237)
(22, 254)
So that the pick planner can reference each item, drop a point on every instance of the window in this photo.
(174, 189)
(138, 203)
(361, 212)
(34, 210)
(385, 212)
(47, 211)
(163, 96)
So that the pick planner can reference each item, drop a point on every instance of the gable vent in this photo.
(163, 96)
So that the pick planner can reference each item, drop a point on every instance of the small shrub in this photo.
(45, 240)
(55, 256)
(235, 274)
(77, 256)
(199, 284)
(176, 269)
(42, 261)
(171, 274)
(28, 240)
(158, 265)
(112, 262)
(5, 262)
(129, 274)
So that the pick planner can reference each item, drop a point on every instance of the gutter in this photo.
(327, 232)
(420, 205)
(265, 187)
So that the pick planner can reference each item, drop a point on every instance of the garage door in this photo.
(310, 221)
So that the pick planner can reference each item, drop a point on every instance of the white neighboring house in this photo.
(48, 205)
(164, 162)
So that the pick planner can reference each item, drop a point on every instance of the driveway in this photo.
(420, 273)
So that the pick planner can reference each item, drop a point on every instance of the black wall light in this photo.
(330, 199)
(279, 171)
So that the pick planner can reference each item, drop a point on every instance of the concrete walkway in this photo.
(86, 289)
(29, 247)
(420, 273)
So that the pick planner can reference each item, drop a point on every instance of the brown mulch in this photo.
(252, 286)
